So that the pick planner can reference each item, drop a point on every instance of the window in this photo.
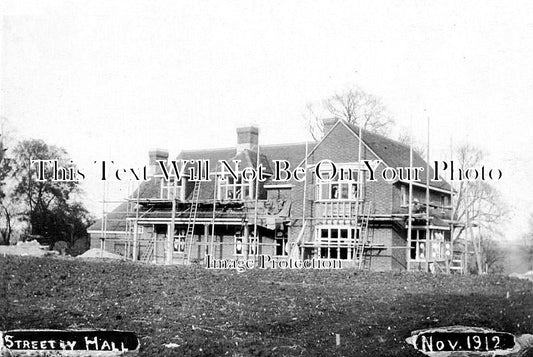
(444, 202)
(336, 242)
(438, 251)
(172, 188)
(404, 195)
(421, 247)
(238, 245)
(231, 189)
(282, 248)
(418, 244)
(343, 186)
(179, 241)
(253, 245)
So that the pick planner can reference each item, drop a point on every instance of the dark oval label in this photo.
(437, 341)
(53, 340)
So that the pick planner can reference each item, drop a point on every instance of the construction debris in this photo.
(526, 276)
(31, 248)
(97, 253)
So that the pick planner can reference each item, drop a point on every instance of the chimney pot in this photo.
(247, 138)
(329, 123)
(153, 156)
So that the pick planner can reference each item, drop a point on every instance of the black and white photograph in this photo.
(266, 178)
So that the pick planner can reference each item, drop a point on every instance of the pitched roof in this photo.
(396, 154)
(392, 152)
(294, 153)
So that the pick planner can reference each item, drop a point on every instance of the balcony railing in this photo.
(336, 209)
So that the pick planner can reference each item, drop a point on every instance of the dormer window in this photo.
(172, 188)
(231, 189)
(444, 201)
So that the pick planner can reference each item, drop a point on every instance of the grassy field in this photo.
(256, 313)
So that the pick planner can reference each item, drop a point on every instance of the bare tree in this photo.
(7, 216)
(527, 242)
(7, 211)
(353, 105)
(481, 208)
(493, 254)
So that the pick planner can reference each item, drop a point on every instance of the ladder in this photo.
(362, 243)
(189, 236)
(148, 252)
(457, 262)
(129, 233)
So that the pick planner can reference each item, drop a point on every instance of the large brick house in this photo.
(359, 222)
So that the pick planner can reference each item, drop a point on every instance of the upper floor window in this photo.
(404, 193)
(172, 188)
(444, 201)
(343, 186)
(231, 189)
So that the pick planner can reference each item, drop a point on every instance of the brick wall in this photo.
(398, 252)
(340, 146)
(380, 259)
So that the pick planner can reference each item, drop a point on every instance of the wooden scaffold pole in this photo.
(255, 243)
(429, 245)
(211, 245)
(410, 212)
(171, 228)
(128, 222)
(357, 199)
(104, 220)
(467, 238)
(135, 227)
(304, 206)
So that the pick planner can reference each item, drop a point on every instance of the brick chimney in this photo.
(154, 155)
(329, 123)
(247, 138)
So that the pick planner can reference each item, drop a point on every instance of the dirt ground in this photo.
(191, 311)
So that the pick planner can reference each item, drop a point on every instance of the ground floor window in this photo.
(336, 242)
(238, 245)
(179, 241)
(423, 249)
(253, 245)
(418, 245)
(282, 248)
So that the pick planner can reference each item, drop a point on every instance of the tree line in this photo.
(47, 211)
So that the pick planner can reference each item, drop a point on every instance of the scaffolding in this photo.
(173, 216)
(357, 247)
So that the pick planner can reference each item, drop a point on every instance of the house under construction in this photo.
(363, 223)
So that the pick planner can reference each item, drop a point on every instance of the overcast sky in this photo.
(112, 79)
